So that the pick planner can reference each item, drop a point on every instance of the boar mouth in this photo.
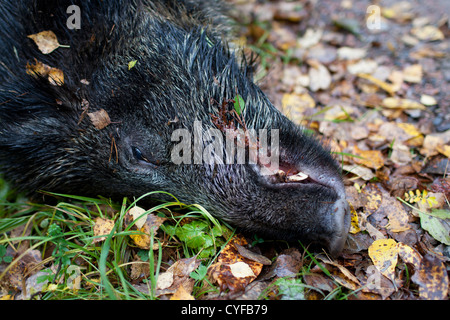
(289, 176)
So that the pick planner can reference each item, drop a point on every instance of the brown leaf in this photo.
(252, 255)
(177, 275)
(99, 118)
(340, 274)
(102, 227)
(222, 272)
(287, 264)
(45, 40)
(432, 278)
(20, 270)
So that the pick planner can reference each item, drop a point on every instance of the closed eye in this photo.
(138, 154)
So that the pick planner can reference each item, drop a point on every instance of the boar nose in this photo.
(340, 218)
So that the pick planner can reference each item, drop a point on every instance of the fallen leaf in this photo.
(384, 255)
(427, 33)
(348, 53)
(365, 66)
(241, 270)
(427, 100)
(138, 216)
(252, 255)
(102, 227)
(287, 264)
(341, 274)
(319, 77)
(100, 119)
(147, 225)
(432, 278)
(397, 215)
(409, 255)
(310, 38)
(394, 103)
(389, 88)
(293, 106)
(435, 142)
(439, 229)
(182, 294)
(370, 158)
(165, 280)
(374, 198)
(20, 270)
(413, 73)
(55, 76)
(362, 172)
(354, 221)
(222, 272)
(45, 40)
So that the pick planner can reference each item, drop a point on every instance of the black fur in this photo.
(184, 72)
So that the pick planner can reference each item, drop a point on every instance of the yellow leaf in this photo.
(294, 105)
(397, 103)
(54, 75)
(371, 158)
(354, 226)
(384, 255)
(45, 40)
(389, 88)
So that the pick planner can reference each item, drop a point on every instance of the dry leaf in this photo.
(54, 75)
(102, 227)
(165, 280)
(394, 103)
(222, 273)
(138, 216)
(287, 264)
(384, 255)
(409, 255)
(354, 222)
(389, 88)
(341, 274)
(241, 270)
(252, 255)
(413, 73)
(427, 100)
(294, 105)
(149, 225)
(360, 171)
(432, 278)
(427, 33)
(182, 294)
(45, 40)
(310, 38)
(319, 77)
(365, 66)
(100, 119)
(370, 158)
(348, 53)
